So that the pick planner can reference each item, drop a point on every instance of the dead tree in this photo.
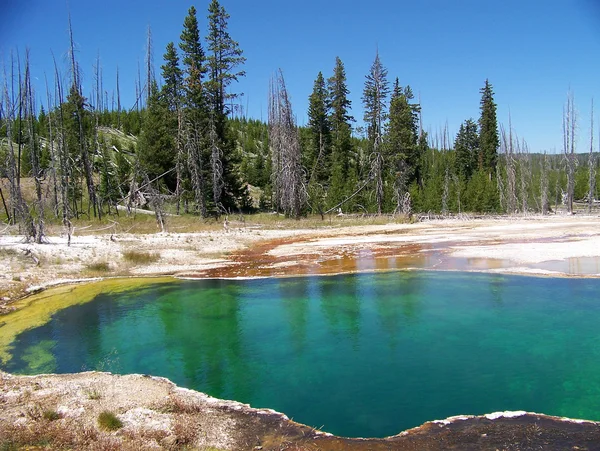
(52, 150)
(591, 165)
(524, 174)
(156, 202)
(446, 192)
(193, 147)
(78, 100)
(149, 65)
(20, 212)
(569, 123)
(545, 207)
(64, 168)
(289, 190)
(216, 164)
(34, 151)
(511, 176)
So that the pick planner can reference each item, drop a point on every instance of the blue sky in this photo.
(533, 52)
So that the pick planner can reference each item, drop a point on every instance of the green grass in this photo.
(109, 422)
(51, 415)
(140, 257)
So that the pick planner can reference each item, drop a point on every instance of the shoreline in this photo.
(157, 413)
(557, 246)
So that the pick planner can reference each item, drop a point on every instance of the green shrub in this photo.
(99, 267)
(51, 415)
(140, 257)
(109, 422)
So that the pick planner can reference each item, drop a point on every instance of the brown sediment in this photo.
(259, 261)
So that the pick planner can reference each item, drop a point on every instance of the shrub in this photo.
(99, 267)
(140, 257)
(109, 421)
(93, 394)
(51, 415)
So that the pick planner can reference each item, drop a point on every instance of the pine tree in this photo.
(467, 149)
(173, 77)
(223, 60)
(319, 158)
(343, 175)
(195, 114)
(402, 138)
(156, 147)
(374, 101)
(488, 125)
(193, 60)
(225, 56)
(172, 92)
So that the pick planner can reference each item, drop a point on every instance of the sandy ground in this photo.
(552, 245)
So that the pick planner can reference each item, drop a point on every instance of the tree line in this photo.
(181, 150)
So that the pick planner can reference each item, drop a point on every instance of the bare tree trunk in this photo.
(87, 166)
(21, 213)
(193, 144)
(156, 203)
(524, 175)
(216, 165)
(118, 101)
(377, 162)
(179, 159)
(34, 149)
(511, 195)
(288, 178)
(149, 65)
(446, 192)
(544, 186)
(569, 122)
(591, 166)
(64, 171)
(52, 150)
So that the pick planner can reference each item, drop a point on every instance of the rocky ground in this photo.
(50, 411)
(63, 412)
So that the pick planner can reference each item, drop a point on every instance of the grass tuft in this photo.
(140, 257)
(109, 421)
(51, 415)
(93, 393)
(99, 267)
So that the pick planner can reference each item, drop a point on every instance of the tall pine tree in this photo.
(374, 100)
(403, 149)
(319, 158)
(195, 112)
(172, 91)
(224, 58)
(467, 150)
(488, 125)
(343, 175)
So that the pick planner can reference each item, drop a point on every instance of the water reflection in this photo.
(362, 354)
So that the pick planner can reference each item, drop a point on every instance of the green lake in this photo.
(366, 354)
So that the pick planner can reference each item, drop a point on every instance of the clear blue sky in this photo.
(532, 51)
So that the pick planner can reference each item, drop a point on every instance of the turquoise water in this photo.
(358, 355)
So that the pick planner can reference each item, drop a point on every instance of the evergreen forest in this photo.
(184, 148)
